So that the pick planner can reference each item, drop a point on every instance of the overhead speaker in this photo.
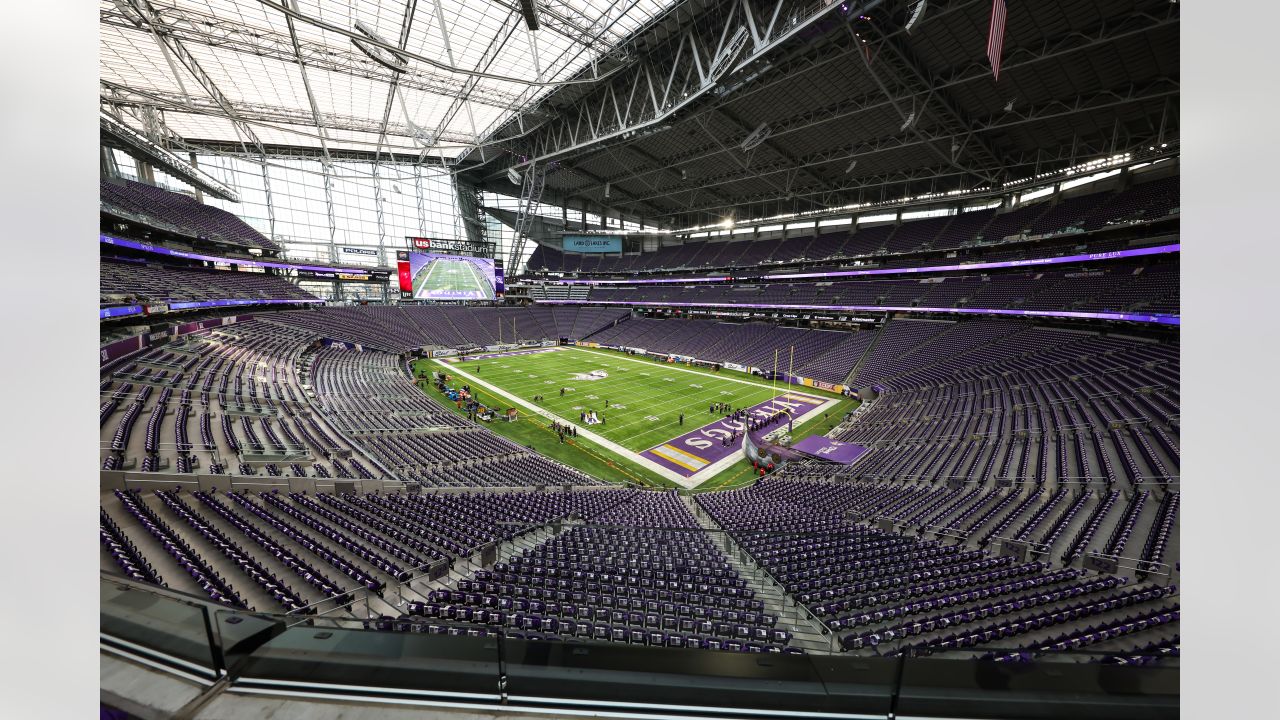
(529, 8)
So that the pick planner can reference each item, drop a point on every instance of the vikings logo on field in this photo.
(593, 375)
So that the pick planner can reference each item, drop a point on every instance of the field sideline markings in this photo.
(627, 384)
(680, 369)
(706, 472)
(602, 441)
(426, 281)
(477, 281)
(813, 414)
(662, 399)
(823, 403)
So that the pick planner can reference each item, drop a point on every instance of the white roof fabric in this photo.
(246, 50)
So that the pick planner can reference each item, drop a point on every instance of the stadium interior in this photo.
(639, 358)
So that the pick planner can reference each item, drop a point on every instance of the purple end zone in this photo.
(828, 449)
(697, 449)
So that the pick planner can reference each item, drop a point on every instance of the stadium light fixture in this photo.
(722, 62)
(391, 60)
(513, 175)
(757, 136)
(917, 13)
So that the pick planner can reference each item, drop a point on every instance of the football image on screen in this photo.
(448, 277)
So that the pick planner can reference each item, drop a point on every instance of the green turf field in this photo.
(645, 397)
(645, 400)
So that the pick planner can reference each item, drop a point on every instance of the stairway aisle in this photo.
(807, 633)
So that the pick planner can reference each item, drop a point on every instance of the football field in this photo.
(448, 279)
(640, 402)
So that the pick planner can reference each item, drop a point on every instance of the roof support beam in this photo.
(1051, 49)
(251, 114)
(1047, 111)
(909, 75)
(191, 27)
(188, 61)
(311, 97)
(698, 70)
(852, 191)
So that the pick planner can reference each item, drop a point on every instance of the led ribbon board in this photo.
(1032, 262)
(169, 252)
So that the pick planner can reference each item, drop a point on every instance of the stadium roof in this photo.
(681, 112)
(829, 104)
(430, 78)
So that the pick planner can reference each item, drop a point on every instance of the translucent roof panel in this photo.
(476, 65)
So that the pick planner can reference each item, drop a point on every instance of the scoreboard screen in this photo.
(434, 276)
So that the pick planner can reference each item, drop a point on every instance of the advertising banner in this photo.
(829, 387)
(121, 311)
(593, 243)
(158, 250)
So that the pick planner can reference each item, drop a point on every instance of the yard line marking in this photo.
(671, 366)
(672, 401)
(599, 440)
(431, 268)
(667, 403)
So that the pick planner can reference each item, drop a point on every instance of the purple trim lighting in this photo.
(121, 311)
(655, 281)
(231, 303)
(1131, 317)
(149, 248)
(1033, 262)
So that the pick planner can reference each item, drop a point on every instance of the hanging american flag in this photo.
(995, 38)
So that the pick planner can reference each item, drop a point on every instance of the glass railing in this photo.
(158, 627)
(433, 662)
